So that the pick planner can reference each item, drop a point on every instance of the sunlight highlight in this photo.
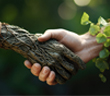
(82, 2)
(67, 10)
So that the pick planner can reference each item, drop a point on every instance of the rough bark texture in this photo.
(50, 53)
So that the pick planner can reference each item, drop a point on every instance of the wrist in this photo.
(90, 45)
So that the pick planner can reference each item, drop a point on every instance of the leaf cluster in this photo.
(102, 36)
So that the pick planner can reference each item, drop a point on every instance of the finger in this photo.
(77, 61)
(35, 69)
(52, 33)
(27, 64)
(67, 64)
(44, 73)
(59, 68)
(51, 78)
(62, 72)
(59, 79)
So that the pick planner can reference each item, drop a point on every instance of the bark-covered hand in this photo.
(50, 53)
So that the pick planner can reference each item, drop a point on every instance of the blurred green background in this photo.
(38, 16)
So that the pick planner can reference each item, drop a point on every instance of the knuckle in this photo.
(44, 74)
(36, 73)
(42, 78)
(35, 69)
(61, 30)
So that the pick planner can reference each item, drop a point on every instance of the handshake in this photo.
(54, 56)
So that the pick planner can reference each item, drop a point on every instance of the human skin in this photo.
(85, 46)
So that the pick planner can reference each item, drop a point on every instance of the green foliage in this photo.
(101, 64)
(101, 21)
(85, 19)
(107, 31)
(103, 78)
(104, 53)
(94, 29)
(101, 37)
(107, 43)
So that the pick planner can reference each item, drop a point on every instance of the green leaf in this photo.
(102, 21)
(107, 43)
(101, 38)
(101, 64)
(104, 53)
(85, 19)
(94, 29)
(103, 78)
(107, 31)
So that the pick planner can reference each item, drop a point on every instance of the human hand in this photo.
(78, 44)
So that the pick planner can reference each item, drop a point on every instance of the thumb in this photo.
(57, 34)
(46, 36)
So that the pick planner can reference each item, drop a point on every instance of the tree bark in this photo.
(50, 53)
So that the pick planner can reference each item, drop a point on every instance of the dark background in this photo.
(38, 16)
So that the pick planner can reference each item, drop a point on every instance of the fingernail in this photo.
(46, 70)
(27, 62)
(42, 36)
(51, 74)
(37, 66)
